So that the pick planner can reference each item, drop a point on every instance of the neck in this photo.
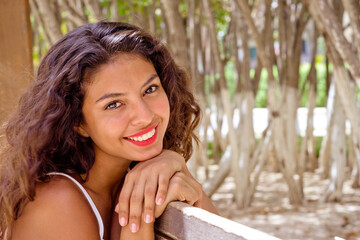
(105, 177)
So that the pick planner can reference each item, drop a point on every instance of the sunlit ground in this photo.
(271, 212)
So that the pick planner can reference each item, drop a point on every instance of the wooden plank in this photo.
(16, 69)
(182, 221)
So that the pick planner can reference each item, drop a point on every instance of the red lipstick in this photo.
(146, 142)
(142, 132)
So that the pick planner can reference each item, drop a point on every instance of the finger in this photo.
(149, 201)
(180, 189)
(163, 186)
(196, 186)
(124, 202)
(195, 194)
(186, 188)
(136, 206)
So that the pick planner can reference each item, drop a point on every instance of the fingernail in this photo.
(148, 218)
(133, 228)
(159, 201)
(122, 221)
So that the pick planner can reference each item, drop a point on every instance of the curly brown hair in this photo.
(40, 135)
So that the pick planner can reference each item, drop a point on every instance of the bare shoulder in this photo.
(59, 211)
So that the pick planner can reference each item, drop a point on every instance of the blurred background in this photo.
(278, 83)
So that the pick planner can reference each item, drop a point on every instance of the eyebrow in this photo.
(113, 95)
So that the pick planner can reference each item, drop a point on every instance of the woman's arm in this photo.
(204, 202)
(145, 232)
(145, 186)
(207, 205)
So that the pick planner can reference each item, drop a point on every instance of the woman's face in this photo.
(126, 110)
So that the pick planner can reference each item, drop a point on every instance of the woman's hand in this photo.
(184, 188)
(146, 185)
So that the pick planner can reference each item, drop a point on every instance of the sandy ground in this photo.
(271, 212)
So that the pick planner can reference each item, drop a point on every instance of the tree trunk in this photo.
(328, 23)
(225, 95)
(352, 7)
(243, 5)
(39, 21)
(114, 10)
(95, 9)
(211, 185)
(307, 159)
(337, 151)
(324, 157)
(16, 65)
(216, 112)
(152, 18)
(348, 101)
(75, 16)
(51, 24)
(177, 33)
(246, 104)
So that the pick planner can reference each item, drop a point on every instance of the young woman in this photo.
(98, 145)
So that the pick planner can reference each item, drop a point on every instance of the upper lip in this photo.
(142, 132)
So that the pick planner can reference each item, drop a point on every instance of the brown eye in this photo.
(151, 89)
(113, 105)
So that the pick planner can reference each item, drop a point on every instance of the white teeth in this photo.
(143, 137)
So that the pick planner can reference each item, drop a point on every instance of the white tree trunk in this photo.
(291, 178)
(244, 162)
(324, 157)
(212, 184)
(288, 116)
(348, 101)
(337, 153)
(260, 156)
(307, 158)
(218, 141)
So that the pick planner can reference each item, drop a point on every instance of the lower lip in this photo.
(146, 142)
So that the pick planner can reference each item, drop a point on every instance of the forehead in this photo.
(123, 59)
(119, 61)
(120, 57)
(122, 70)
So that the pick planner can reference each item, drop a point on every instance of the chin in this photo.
(149, 155)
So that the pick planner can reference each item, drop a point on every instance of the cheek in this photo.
(165, 106)
(107, 127)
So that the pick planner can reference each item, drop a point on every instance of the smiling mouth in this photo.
(143, 137)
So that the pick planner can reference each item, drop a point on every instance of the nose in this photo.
(141, 114)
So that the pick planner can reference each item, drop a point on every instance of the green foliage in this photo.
(317, 144)
(230, 77)
(320, 83)
(261, 95)
(183, 8)
(222, 13)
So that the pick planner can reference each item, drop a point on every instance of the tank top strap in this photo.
(92, 204)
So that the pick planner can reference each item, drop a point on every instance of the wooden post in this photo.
(16, 68)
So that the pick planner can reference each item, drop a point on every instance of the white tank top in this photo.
(92, 204)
